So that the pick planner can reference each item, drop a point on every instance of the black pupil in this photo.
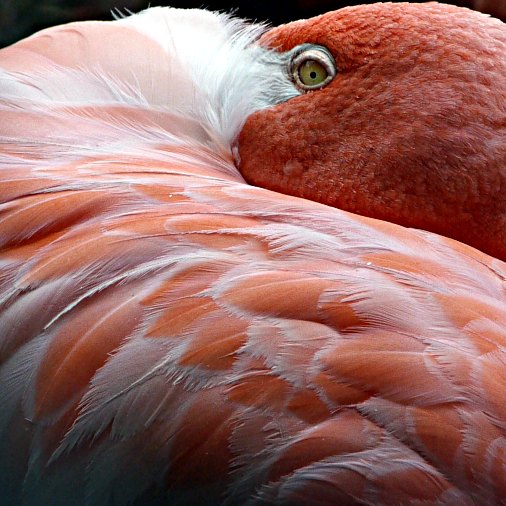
(312, 74)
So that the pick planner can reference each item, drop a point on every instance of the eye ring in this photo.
(312, 67)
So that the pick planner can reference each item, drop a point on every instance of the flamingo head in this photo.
(401, 117)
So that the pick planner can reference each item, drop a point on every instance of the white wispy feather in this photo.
(214, 78)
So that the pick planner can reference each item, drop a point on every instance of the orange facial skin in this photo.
(412, 130)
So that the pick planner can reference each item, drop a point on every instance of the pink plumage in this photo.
(172, 335)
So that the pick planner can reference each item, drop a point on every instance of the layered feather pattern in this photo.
(171, 335)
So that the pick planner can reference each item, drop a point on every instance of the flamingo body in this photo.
(172, 335)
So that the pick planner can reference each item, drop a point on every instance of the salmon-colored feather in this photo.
(171, 335)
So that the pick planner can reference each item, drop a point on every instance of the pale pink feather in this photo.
(171, 335)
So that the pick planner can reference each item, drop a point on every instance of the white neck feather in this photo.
(199, 67)
(218, 75)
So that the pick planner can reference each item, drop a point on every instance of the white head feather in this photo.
(200, 68)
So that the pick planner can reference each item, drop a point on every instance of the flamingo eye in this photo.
(312, 67)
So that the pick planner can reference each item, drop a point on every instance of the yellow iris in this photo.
(312, 67)
(312, 73)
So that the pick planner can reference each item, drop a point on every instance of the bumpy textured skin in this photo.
(412, 129)
(171, 335)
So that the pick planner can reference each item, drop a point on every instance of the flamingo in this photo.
(170, 334)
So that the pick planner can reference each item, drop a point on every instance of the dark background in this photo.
(19, 18)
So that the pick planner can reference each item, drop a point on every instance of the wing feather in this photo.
(169, 334)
